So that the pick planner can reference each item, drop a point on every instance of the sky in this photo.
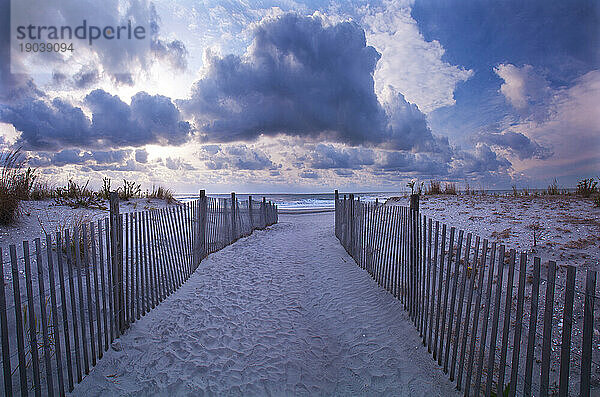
(311, 96)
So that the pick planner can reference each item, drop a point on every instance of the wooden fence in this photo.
(88, 285)
(497, 322)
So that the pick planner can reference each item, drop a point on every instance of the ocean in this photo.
(297, 201)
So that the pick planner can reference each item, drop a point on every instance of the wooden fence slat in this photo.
(391, 231)
(453, 300)
(472, 274)
(141, 265)
(103, 282)
(434, 267)
(422, 272)
(4, 329)
(506, 329)
(160, 276)
(109, 276)
(88, 283)
(96, 289)
(30, 310)
(371, 245)
(480, 266)
(565, 350)
(181, 269)
(64, 307)
(439, 310)
(126, 266)
(446, 294)
(44, 317)
(398, 254)
(533, 313)
(428, 287)
(19, 326)
(518, 325)
(157, 279)
(486, 312)
(77, 262)
(168, 252)
(547, 336)
(131, 248)
(494, 335)
(588, 331)
(461, 298)
(147, 265)
(152, 289)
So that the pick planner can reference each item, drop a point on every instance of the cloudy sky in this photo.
(292, 96)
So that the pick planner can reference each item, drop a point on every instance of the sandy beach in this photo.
(569, 225)
(284, 311)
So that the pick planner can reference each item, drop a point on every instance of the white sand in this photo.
(38, 217)
(283, 312)
(570, 225)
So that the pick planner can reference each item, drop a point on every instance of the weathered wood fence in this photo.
(496, 321)
(88, 285)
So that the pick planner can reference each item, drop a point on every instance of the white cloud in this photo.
(409, 63)
(571, 125)
(522, 86)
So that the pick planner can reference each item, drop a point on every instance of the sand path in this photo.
(283, 312)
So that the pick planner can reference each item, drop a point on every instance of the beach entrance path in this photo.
(283, 312)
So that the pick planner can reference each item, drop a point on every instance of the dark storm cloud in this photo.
(304, 78)
(56, 124)
(518, 144)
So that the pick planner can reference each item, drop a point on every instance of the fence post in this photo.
(116, 245)
(202, 226)
(413, 243)
(351, 222)
(336, 199)
(250, 213)
(264, 212)
(233, 217)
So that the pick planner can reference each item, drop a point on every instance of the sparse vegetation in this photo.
(552, 189)
(538, 232)
(161, 193)
(586, 187)
(434, 187)
(15, 185)
(78, 196)
(515, 191)
(129, 190)
(104, 191)
(450, 188)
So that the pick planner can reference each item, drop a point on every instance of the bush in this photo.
(587, 187)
